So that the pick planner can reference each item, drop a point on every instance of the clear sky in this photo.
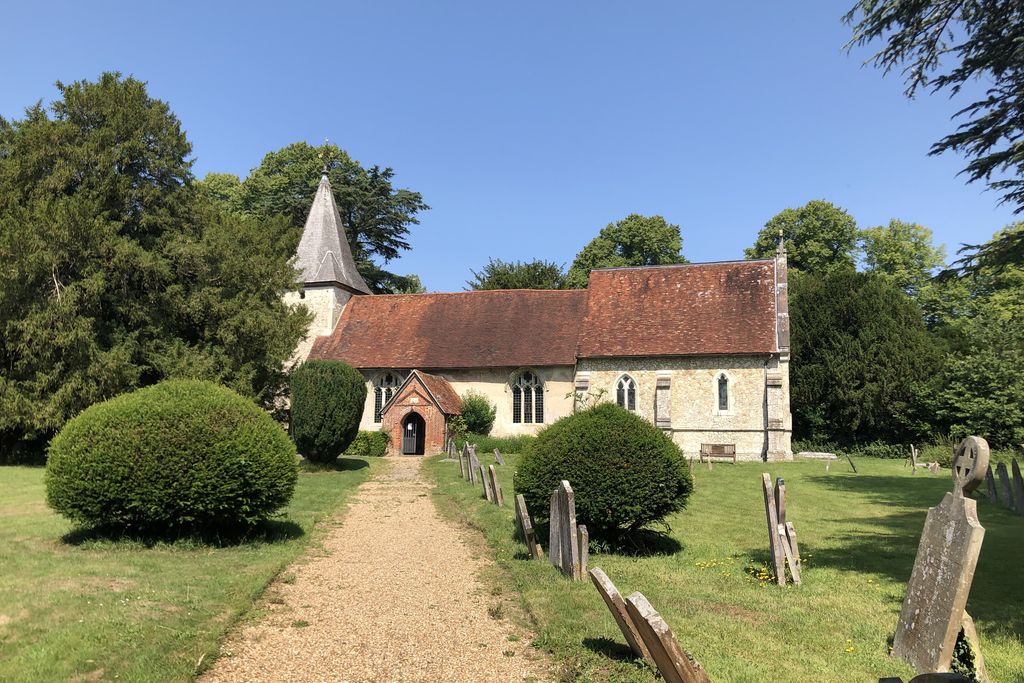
(528, 126)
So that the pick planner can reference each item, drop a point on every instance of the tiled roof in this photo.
(698, 309)
(447, 400)
(501, 328)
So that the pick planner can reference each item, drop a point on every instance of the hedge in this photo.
(327, 405)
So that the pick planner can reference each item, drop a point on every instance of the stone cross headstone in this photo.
(563, 542)
(486, 481)
(498, 457)
(970, 462)
(947, 555)
(1018, 487)
(673, 663)
(617, 606)
(526, 529)
(1005, 493)
(499, 499)
(990, 484)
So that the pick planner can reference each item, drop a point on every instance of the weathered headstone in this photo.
(933, 610)
(1018, 488)
(563, 543)
(774, 542)
(970, 462)
(498, 457)
(673, 663)
(583, 543)
(486, 481)
(462, 465)
(526, 529)
(474, 466)
(617, 606)
(990, 484)
(499, 499)
(1005, 493)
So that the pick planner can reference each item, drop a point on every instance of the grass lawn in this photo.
(858, 535)
(81, 608)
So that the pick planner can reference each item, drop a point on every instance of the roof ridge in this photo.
(686, 265)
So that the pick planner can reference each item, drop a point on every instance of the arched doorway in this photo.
(414, 434)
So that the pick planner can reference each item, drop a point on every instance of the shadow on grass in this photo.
(996, 593)
(609, 648)
(343, 464)
(267, 531)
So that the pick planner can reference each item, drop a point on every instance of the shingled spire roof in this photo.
(323, 255)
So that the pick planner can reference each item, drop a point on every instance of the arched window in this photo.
(527, 398)
(625, 393)
(723, 392)
(384, 388)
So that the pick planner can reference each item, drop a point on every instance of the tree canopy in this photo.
(376, 215)
(820, 237)
(902, 252)
(636, 240)
(536, 274)
(118, 272)
(861, 358)
(943, 45)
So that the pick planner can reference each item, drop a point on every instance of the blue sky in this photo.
(529, 126)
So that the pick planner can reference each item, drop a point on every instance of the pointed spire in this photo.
(324, 255)
(782, 244)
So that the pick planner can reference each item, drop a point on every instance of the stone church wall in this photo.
(756, 420)
(326, 305)
(494, 384)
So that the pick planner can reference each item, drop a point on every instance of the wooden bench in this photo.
(724, 451)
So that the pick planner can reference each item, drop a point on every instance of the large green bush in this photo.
(369, 444)
(624, 471)
(327, 405)
(182, 454)
(478, 413)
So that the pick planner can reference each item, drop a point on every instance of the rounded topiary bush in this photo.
(327, 405)
(625, 473)
(182, 454)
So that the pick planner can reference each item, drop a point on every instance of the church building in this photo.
(700, 350)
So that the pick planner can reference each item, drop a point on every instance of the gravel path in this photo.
(394, 596)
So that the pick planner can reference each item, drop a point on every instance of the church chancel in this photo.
(701, 350)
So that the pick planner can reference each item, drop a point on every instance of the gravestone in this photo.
(563, 542)
(474, 466)
(462, 465)
(990, 484)
(947, 555)
(617, 606)
(674, 664)
(1005, 493)
(526, 529)
(583, 543)
(774, 542)
(498, 457)
(970, 462)
(486, 481)
(1018, 487)
(495, 486)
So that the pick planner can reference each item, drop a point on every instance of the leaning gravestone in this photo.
(526, 529)
(486, 481)
(563, 539)
(499, 499)
(474, 466)
(1005, 493)
(933, 610)
(674, 664)
(617, 606)
(498, 458)
(1018, 488)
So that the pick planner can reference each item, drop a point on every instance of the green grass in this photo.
(76, 606)
(858, 534)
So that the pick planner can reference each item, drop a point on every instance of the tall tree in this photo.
(117, 272)
(902, 252)
(861, 359)
(376, 215)
(636, 240)
(820, 237)
(536, 274)
(942, 45)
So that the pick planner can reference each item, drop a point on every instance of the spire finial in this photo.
(782, 243)
(323, 158)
